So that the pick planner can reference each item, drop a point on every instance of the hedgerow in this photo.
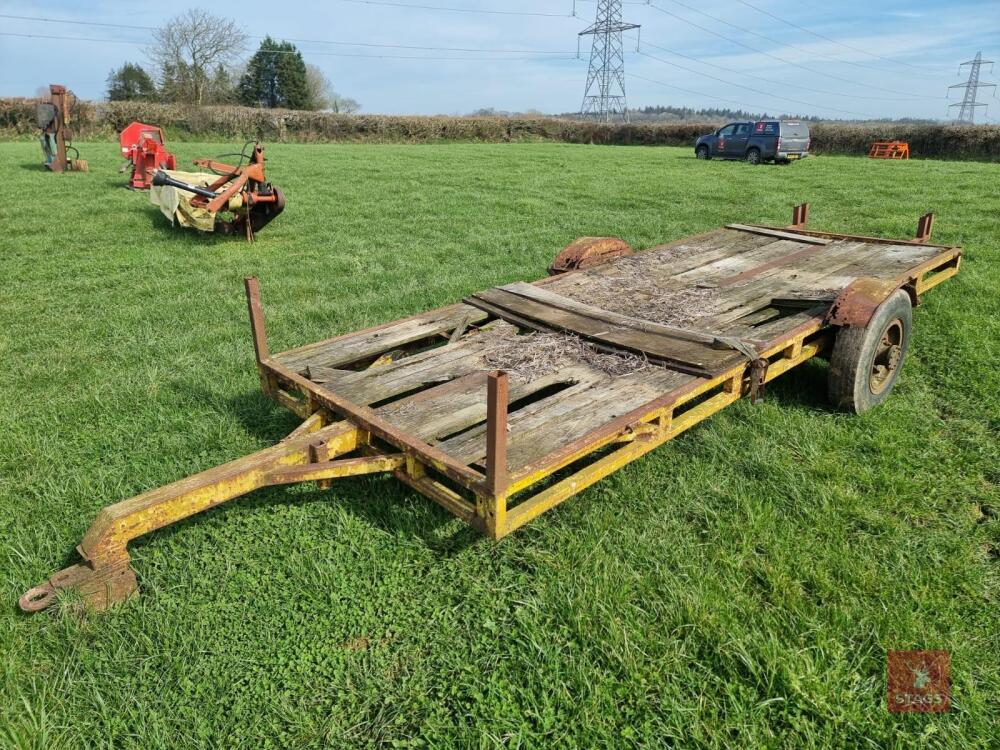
(99, 120)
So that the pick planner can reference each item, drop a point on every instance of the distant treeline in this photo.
(104, 120)
(661, 113)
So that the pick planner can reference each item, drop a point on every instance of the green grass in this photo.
(738, 587)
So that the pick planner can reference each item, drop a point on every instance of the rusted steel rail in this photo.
(422, 398)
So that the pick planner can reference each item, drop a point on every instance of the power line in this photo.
(413, 46)
(810, 89)
(302, 41)
(758, 91)
(767, 38)
(829, 39)
(773, 56)
(78, 23)
(451, 9)
(750, 107)
(289, 52)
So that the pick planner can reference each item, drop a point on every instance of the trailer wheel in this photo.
(753, 156)
(866, 361)
(702, 153)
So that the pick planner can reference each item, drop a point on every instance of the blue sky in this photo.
(922, 41)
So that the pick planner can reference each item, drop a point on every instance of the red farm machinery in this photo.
(227, 199)
(144, 147)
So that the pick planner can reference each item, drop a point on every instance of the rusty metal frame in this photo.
(339, 438)
(800, 216)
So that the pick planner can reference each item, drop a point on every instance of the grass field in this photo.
(738, 587)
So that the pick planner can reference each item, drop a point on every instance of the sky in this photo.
(852, 59)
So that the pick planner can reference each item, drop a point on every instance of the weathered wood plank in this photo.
(664, 263)
(889, 261)
(445, 410)
(730, 265)
(611, 396)
(700, 357)
(792, 259)
(350, 348)
(775, 329)
(780, 282)
(426, 369)
(590, 411)
(548, 297)
(781, 234)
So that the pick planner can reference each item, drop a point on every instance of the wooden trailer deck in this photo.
(508, 403)
(686, 319)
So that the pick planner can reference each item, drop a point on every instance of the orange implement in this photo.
(889, 150)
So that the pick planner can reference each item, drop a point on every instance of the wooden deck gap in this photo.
(408, 350)
(781, 311)
(536, 396)
(412, 392)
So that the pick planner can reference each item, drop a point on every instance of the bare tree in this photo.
(344, 104)
(319, 87)
(190, 49)
(324, 96)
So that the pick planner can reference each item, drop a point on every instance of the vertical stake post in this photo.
(57, 95)
(800, 216)
(924, 227)
(496, 433)
(260, 347)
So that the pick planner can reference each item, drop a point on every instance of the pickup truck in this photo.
(756, 142)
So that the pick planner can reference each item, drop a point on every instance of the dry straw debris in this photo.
(532, 355)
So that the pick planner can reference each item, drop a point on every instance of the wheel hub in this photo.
(887, 357)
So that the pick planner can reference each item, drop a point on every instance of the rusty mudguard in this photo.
(588, 252)
(858, 302)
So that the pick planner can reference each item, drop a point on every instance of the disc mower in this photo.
(53, 118)
(143, 146)
(228, 200)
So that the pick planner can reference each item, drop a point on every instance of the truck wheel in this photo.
(753, 156)
(866, 361)
(702, 153)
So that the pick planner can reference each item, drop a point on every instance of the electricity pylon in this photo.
(604, 96)
(967, 113)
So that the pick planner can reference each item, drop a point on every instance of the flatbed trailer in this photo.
(502, 406)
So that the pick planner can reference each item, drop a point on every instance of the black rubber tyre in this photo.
(753, 156)
(702, 153)
(866, 361)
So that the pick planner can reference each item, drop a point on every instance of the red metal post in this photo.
(57, 95)
(260, 346)
(800, 216)
(496, 433)
(925, 227)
